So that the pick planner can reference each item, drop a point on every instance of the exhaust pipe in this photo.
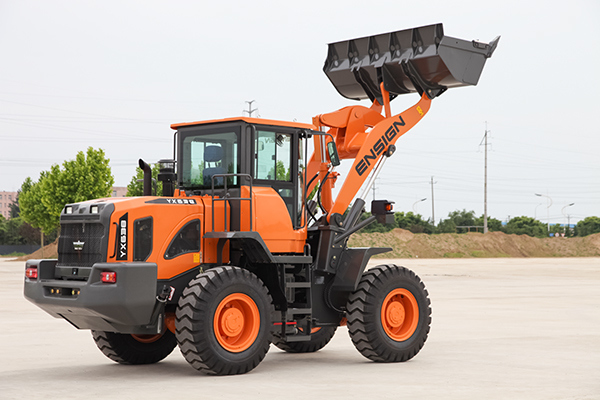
(421, 60)
(147, 177)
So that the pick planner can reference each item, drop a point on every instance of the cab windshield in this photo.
(207, 156)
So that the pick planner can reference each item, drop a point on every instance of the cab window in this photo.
(273, 156)
(187, 240)
(206, 156)
(277, 159)
(142, 238)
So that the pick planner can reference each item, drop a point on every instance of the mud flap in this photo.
(352, 264)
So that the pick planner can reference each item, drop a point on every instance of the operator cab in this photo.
(215, 157)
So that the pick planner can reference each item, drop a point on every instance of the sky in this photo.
(116, 74)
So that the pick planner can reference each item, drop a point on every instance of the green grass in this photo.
(14, 254)
(453, 255)
(479, 253)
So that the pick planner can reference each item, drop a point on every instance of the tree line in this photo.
(466, 221)
(39, 204)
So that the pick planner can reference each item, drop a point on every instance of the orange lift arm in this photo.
(362, 134)
(377, 147)
(419, 60)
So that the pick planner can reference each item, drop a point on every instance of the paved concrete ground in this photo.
(502, 329)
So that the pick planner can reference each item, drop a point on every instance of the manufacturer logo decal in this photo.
(181, 201)
(173, 201)
(78, 245)
(122, 238)
(379, 146)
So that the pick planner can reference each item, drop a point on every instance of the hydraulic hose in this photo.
(319, 193)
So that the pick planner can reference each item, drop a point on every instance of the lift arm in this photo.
(419, 60)
(376, 145)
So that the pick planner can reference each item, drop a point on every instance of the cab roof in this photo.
(256, 121)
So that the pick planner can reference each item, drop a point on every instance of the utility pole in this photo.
(250, 110)
(374, 190)
(485, 216)
(432, 203)
(568, 226)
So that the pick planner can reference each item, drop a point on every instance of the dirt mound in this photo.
(406, 244)
(49, 251)
(493, 244)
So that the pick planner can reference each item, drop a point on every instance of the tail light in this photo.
(31, 273)
(108, 277)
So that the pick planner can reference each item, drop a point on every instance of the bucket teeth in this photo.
(421, 60)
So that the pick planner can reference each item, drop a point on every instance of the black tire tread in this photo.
(193, 307)
(362, 309)
(124, 349)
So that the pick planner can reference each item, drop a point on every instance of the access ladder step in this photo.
(299, 311)
(298, 285)
(297, 338)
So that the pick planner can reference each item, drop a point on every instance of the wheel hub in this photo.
(395, 314)
(232, 322)
(236, 322)
(399, 314)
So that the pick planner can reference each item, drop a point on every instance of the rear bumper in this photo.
(127, 306)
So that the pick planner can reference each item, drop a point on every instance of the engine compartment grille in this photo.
(81, 244)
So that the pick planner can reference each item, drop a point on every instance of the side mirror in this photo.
(333, 154)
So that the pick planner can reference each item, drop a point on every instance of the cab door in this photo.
(277, 188)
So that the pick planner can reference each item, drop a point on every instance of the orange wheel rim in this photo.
(399, 314)
(236, 322)
(147, 338)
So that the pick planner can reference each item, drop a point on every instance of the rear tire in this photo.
(135, 349)
(389, 314)
(223, 321)
(319, 339)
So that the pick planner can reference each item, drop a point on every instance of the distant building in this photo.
(118, 191)
(6, 199)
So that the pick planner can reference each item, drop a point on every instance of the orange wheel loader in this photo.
(247, 245)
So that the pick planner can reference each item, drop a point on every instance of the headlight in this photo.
(94, 209)
(68, 210)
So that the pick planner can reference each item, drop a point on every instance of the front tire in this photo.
(389, 314)
(223, 321)
(135, 349)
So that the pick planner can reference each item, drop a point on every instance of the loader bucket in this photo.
(408, 61)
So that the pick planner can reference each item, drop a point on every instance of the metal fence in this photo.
(18, 248)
